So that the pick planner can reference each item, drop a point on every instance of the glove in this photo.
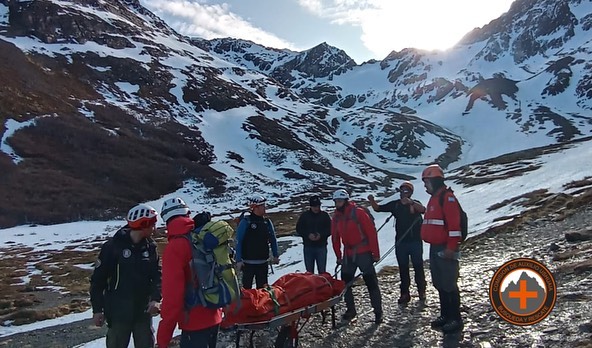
(275, 260)
(99, 319)
(153, 308)
(339, 261)
(448, 254)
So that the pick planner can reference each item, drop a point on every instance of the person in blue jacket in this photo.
(255, 234)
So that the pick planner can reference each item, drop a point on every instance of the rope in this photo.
(350, 283)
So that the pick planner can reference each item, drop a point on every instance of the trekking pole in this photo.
(387, 253)
(385, 222)
(397, 242)
(337, 269)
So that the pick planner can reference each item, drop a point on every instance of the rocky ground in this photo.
(569, 324)
(541, 236)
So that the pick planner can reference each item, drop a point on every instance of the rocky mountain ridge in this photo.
(105, 105)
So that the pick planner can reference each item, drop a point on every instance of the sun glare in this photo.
(426, 24)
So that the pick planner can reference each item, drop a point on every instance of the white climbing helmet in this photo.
(340, 194)
(256, 201)
(141, 216)
(173, 207)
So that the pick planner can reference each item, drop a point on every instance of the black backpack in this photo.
(464, 220)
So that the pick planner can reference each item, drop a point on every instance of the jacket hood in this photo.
(179, 225)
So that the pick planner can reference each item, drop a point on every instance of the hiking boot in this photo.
(438, 322)
(405, 298)
(378, 317)
(422, 295)
(348, 315)
(452, 326)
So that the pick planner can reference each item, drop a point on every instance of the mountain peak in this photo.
(323, 58)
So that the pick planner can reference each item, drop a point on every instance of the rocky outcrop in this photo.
(534, 21)
(493, 88)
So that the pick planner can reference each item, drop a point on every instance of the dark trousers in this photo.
(205, 338)
(445, 273)
(413, 250)
(257, 271)
(366, 265)
(118, 334)
(315, 254)
(450, 304)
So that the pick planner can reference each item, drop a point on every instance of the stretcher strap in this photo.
(276, 304)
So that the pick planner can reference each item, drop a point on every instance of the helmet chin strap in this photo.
(342, 208)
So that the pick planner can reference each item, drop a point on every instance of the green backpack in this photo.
(213, 279)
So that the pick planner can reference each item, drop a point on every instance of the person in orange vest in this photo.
(352, 226)
(442, 230)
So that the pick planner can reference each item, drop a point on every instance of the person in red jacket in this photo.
(199, 325)
(352, 226)
(441, 229)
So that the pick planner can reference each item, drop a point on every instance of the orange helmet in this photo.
(432, 171)
(407, 184)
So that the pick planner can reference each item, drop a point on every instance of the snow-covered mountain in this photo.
(104, 105)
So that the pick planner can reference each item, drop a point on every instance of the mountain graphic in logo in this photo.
(523, 291)
(524, 296)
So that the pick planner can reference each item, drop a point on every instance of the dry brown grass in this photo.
(75, 168)
(30, 302)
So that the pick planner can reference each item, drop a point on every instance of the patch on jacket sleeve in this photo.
(98, 263)
(451, 199)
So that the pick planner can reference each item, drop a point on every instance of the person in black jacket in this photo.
(254, 235)
(314, 226)
(407, 213)
(125, 285)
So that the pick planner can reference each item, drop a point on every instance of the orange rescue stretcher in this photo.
(286, 306)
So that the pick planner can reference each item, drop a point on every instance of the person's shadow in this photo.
(452, 340)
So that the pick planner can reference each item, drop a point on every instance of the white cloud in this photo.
(314, 6)
(210, 21)
(393, 25)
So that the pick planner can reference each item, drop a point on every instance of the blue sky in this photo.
(365, 29)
